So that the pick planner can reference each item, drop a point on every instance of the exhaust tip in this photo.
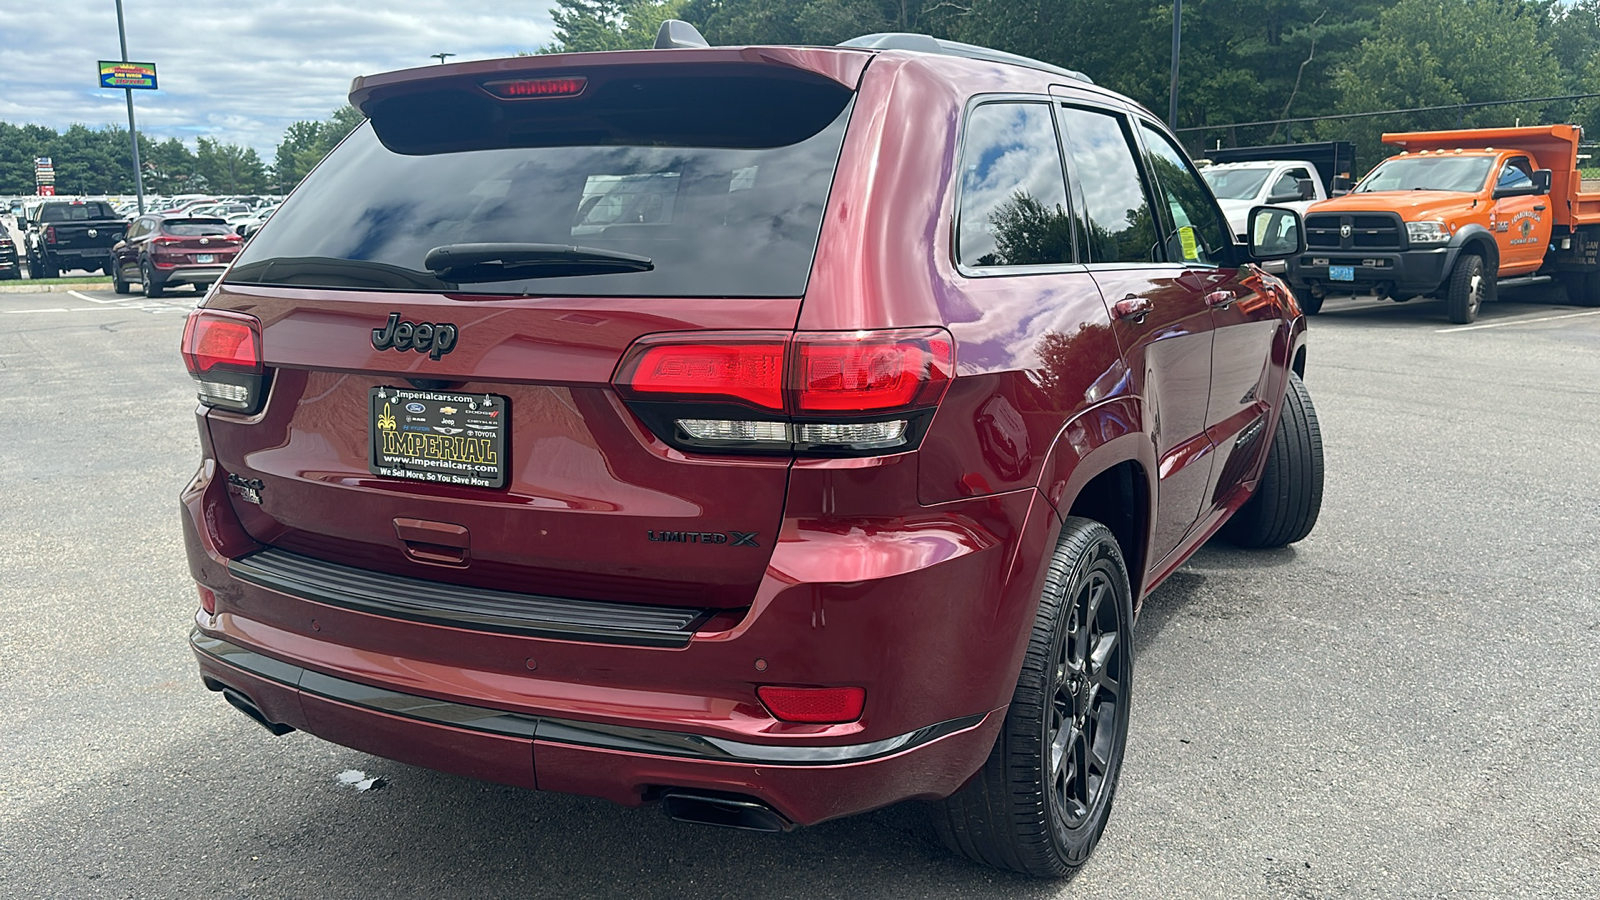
(244, 704)
(744, 814)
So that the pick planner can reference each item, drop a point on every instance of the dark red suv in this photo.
(774, 433)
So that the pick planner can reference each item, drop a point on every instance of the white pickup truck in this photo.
(1283, 182)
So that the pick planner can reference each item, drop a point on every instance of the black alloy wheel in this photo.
(1042, 799)
(1087, 701)
(119, 284)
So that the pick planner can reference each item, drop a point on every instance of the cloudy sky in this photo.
(241, 71)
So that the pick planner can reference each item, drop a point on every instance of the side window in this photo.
(1120, 225)
(1517, 173)
(1013, 209)
(1198, 235)
(1289, 183)
(140, 226)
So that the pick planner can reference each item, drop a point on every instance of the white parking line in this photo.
(95, 299)
(1595, 312)
(15, 312)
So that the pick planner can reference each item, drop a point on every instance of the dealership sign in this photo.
(136, 75)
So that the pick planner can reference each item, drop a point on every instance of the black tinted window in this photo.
(1013, 193)
(716, 221)
(195, 229)
(1120, 225)
(76, 212)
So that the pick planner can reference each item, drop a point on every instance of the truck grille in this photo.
(1367, 231)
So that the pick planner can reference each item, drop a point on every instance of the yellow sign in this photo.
(1191, 247)
(451, 448)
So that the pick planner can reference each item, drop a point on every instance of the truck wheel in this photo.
(147, 275)
(1309, 303)
(1583, 288)
(1286, 503)
(35, 271)
(1469, 287)
(1041, 801)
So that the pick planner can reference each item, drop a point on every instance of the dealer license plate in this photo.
(1341, 273)
(205, 257)
(441, 437)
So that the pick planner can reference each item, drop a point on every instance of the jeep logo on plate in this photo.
(424, 337)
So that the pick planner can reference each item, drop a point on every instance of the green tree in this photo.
(585, 25)
(230, 168)
(818, 21)
(1442, 52)
(305, 143)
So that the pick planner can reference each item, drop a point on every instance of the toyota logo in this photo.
(1344, 231)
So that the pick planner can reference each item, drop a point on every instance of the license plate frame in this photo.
(438, 437)
(1341, 273)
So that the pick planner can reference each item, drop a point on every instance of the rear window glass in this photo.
(195, 229)
(76, 212)
(734, 217)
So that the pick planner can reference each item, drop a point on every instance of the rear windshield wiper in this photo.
(462, 263)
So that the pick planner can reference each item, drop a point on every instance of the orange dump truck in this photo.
(1456, 215)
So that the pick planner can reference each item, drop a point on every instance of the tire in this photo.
(1467, 290)
(152, 288)
(1037, 806)
(1288, 499)
(118, 283)
(1583, 288)
(1309, 303)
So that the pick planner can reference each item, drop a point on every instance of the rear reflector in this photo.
(814, 705)
(534, 88)
(208, 600)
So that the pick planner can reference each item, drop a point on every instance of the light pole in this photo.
(133, 135)
(1172, 93)
(441, 57)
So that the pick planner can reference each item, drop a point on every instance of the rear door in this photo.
(716, 176)
(1161, 323)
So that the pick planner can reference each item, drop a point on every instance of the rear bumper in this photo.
(1403, 273)
(189, 274)
(627, 764)
(932, 629)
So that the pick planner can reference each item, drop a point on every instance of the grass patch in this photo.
(76, 279)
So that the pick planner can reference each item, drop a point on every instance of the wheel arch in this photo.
(1478, 241)
(1100, 467)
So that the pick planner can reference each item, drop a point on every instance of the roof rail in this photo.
(923, 43)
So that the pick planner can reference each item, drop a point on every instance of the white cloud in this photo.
(239, 74)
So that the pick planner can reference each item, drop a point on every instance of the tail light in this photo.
(818, 393)
(49, 234)
(813, 705)
(222, 350)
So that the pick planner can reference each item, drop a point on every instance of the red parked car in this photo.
(161, 251)
(772, 433)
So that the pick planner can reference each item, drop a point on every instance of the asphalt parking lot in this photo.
(1402, 705)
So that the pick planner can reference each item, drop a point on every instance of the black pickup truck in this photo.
(71, 234)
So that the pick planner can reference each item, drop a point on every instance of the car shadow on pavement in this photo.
(236, 813)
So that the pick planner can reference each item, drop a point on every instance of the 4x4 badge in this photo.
(424, 337)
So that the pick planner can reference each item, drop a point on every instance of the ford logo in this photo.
(415, 408)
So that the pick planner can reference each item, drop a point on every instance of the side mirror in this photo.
(1340, 187)
(1541, 181)
(1308, 188)
(1275, 233)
